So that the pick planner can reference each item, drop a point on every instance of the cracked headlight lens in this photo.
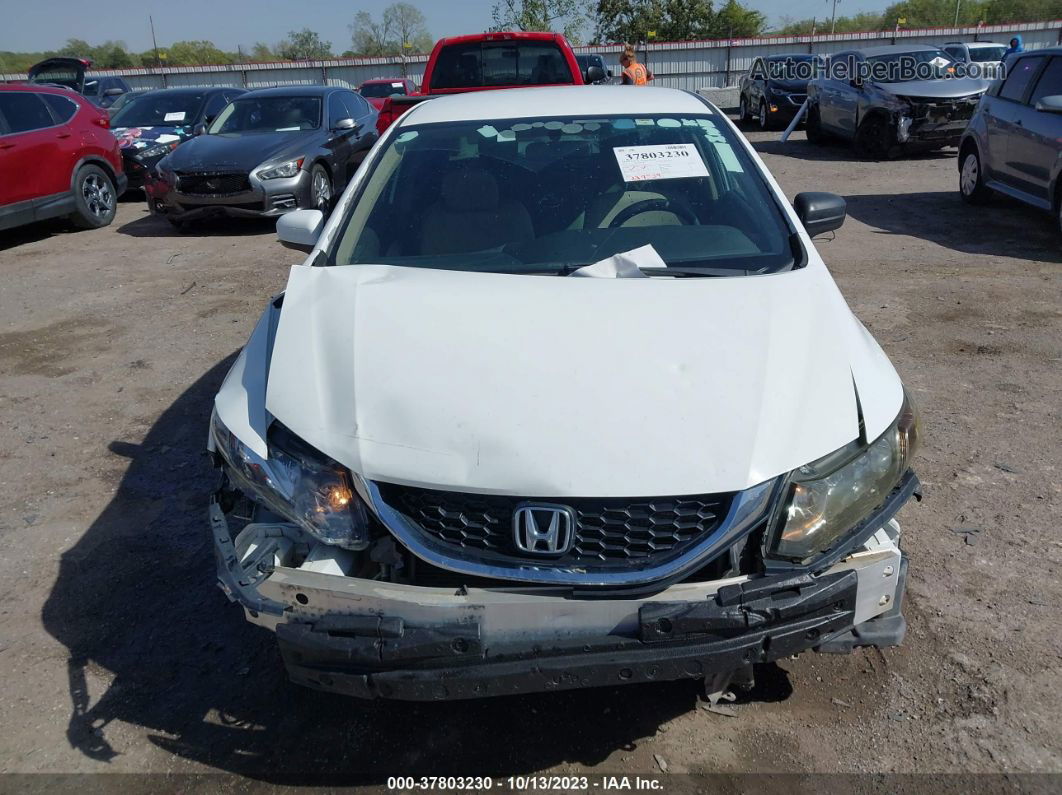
(829, 497)
(299, 483)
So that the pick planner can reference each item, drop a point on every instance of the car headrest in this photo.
(469, 189)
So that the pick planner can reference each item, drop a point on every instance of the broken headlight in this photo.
(297, 482)
(829, 497)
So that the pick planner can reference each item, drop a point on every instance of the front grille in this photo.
(609, 532)
(212, 184)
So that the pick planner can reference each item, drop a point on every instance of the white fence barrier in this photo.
(690, 65)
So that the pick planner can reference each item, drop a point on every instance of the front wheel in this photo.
(873, 139)
(320, 189)
(763, 119)
(813, 126)
(743, 110)
(972, 186)
(95, 201)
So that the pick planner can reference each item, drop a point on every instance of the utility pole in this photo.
(154, 44)
(833, 19)
(957, 4)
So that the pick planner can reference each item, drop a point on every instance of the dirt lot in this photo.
(119, 654)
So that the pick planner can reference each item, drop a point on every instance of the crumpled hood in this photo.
(549, 386)
(238, 152)
(938, 89)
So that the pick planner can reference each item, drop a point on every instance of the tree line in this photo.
(930, 14)
(402, 29)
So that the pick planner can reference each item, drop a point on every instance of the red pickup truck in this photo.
(487, 61)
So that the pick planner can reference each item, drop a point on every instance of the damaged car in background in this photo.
(892, 100)
(501, 436)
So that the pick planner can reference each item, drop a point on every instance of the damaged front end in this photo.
(932, 121)
(386, 591)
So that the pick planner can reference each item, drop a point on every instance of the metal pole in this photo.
(957, 4)
(154, 44)
(833, 19)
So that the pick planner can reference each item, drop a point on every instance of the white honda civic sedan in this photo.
(562, 396)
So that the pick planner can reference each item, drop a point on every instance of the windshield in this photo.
(900, 67)
(986, 54)
(269, 114)
(792, 67)
(547, 195)
(382, 90)
(500, 63)
(159, 110)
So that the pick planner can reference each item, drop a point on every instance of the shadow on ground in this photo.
(157, 226)
(135, 600)
(1004, 228)
(798, 146)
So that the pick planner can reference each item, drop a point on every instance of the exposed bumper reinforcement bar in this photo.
(753, 622)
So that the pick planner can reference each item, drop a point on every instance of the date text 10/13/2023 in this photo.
(524, 783)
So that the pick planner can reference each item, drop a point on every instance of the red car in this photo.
(488, 61)
(379, 89)
(57, 158)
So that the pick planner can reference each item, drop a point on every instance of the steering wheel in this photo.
(677, 207)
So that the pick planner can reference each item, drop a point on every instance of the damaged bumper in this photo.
(376, 639)
(934, 122)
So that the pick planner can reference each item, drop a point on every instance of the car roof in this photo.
(552, 101)
(505, 35)
(188, 90)
(44, 88)
(293, 91)
(384, 80)
(973, 45)
(889, 49)
(1041, 51)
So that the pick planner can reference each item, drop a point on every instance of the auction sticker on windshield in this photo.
(662, 161)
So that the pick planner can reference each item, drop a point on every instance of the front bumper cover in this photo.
(744, 624)
(263, 199)
(374, 639)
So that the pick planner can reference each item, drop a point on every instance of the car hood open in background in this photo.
(69, 72)
(238, 152)
(551, 386)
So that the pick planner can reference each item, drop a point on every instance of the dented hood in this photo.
(551, 386)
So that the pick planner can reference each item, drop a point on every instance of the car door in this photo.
(1004, 118)
(71, 137)
(30, 149)
(340, 143)
(1035, 144)
(842, 103)
(365, 136)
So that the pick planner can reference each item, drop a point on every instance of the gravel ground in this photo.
(120, 655)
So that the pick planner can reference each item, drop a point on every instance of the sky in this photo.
(228, 23)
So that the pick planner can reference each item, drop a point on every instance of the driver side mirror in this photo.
(345, 124)
(594, 74)
(199, 129)
(820, 212)
(1051, 104)
(300, 229)
(113, 92)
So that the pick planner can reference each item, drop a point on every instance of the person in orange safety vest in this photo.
(634, 73)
